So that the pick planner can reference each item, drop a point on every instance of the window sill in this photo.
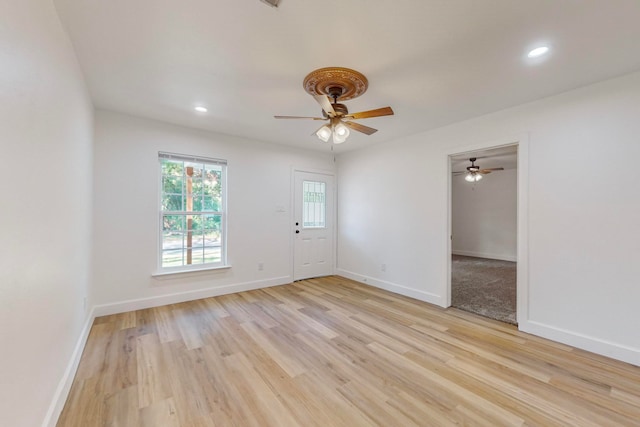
(161, 274)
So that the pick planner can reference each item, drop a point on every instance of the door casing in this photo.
(522, 141)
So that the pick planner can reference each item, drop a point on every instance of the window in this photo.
(314, 206)
(192, 212)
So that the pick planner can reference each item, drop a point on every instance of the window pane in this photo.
(171, 202)
(172, 240)
(212, 254)
(173, 223)
(212, 181)
(171, 167)
(211, 204)
(211, 238)
(196, 188)
(197, 239)
(197, 256)
(172, 258)
(194, 222)
(212, 222)
(314, 205)
(196, 204)
(172, 184)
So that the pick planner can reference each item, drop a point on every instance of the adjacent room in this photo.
(257, 213)
(484, 232)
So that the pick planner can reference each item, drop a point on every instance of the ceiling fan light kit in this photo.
(474, 173)
(330, 85)
(473, 177)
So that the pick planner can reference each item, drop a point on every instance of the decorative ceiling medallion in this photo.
(325, 81)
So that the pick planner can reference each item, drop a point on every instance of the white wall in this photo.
(484, 216)
(126, 211)
(45, 218)
(584, 206)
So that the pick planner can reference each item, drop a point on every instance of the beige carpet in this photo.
(484, 286)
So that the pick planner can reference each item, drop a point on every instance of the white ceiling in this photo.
(435, 62)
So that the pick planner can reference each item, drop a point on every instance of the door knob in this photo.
(297, 231)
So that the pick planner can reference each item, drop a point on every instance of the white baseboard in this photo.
(501, 257)
(584, 342)
(393, 287)
(64, 387)
(160, 300)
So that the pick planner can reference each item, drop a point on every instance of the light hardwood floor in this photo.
(331, 352)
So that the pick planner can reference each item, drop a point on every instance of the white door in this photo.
(313, 225)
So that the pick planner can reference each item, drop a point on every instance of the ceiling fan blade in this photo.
(299, 117)
(361, 128)
(460, 172)
(490, 170)
(385, 111)
(325, 103)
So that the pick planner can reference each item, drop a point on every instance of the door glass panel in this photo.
(313, 204)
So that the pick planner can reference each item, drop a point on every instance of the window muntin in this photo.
(192, 213)
(314, 205)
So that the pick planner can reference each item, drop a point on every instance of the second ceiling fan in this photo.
(333, 84)
(474, 173)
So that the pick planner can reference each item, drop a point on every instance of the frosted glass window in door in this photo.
(314, 204)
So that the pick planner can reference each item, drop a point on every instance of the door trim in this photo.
(292, 207)
(522, 279)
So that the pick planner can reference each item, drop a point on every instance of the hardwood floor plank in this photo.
(330, 352)
(152, 380)
(264, 339)
(374, 406)
(121, 409)
(160, 413)
(423, 412)
(500, 415)
(166, 324)
(268, 409)
(190, 326)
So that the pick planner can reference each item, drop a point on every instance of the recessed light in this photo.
(539, 51)
(201, 109)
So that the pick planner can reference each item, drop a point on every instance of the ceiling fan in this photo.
(333, 84)
(474, 173)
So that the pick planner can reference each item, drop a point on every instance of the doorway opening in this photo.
(484, 232)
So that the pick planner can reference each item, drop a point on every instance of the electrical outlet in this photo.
(260, 266)
(84, 303)
(383, 267)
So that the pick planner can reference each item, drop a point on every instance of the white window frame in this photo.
(222, 213)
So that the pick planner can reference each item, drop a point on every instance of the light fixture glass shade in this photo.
(324, 133)
(337, 139)
(472, 177)
(340, 133)
(341, 130)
